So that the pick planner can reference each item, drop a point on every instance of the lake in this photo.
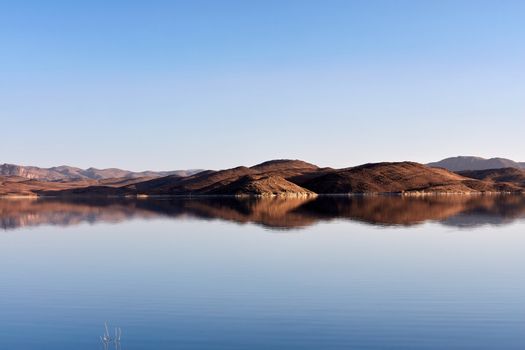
(368, 272)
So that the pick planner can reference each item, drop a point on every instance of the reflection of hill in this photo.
(499, 211)
(400, 210)
(275, 213)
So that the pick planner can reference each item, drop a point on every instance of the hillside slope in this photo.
(505, 175)
(221, 182)
(263, 186)
(21, 186)
(396, 178)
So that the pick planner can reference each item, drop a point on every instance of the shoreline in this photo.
(265, 196)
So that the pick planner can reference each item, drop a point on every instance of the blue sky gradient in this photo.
(213, 84)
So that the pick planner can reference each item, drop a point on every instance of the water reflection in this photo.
(277, 213)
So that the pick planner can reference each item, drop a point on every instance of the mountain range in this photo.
(68, 173)
(286, 178)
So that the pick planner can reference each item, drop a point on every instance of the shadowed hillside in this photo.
(504, 175)
(397, 178)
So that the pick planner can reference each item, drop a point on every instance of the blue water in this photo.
(184, 282)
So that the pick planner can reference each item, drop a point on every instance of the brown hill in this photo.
(196, 184)
(283, 164)
(21, 186)
(505, 175)
(263, 186)
(228, 181)
(395, 178)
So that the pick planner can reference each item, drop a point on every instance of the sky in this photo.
(213, 84)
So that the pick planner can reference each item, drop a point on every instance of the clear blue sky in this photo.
(214, 84)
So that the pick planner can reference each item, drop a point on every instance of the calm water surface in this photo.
(332, 273)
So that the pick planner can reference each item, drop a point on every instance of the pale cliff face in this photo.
(15, 170)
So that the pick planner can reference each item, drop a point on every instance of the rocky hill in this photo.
(402, 177)
(262, 186)
(228, 180)
(378, 178)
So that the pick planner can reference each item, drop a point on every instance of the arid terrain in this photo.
(284, 178)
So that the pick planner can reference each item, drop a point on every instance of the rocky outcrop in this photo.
(263, 186)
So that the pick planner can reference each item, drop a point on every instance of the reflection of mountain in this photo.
(399, 210)
(276, 213)
(33, 212)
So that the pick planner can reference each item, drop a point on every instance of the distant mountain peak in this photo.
(465, 163)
